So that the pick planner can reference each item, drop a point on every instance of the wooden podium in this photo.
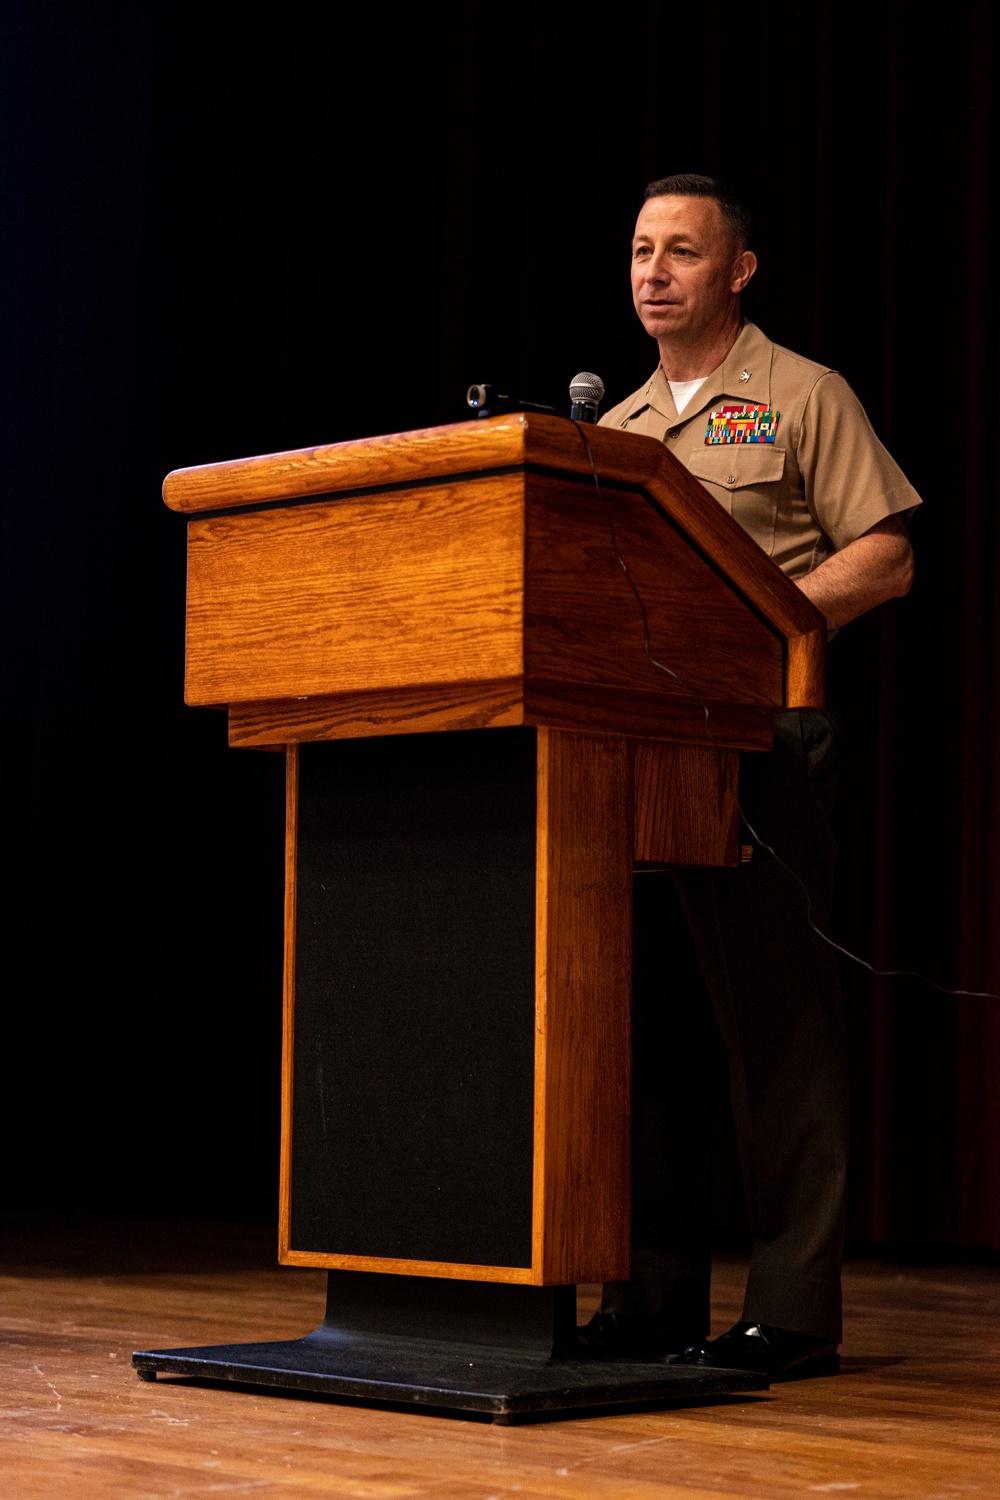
(510, 661)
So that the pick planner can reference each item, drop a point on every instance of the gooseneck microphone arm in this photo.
(586, 391)
(487, 401)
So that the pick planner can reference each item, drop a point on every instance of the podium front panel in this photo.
(457, 998)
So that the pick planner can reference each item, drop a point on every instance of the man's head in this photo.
(735, 214)
(690, 259)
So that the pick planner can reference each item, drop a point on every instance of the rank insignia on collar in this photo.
(742, 424)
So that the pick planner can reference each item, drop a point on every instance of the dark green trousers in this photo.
(774, 989)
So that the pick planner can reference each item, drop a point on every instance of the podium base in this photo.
(507, 1390)
(507, 1352)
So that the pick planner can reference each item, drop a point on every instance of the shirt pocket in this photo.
(745, 478)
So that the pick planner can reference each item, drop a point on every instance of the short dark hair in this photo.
(735, 214)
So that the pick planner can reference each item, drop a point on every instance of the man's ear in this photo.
(744, 266)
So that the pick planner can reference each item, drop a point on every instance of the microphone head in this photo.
(586, 387)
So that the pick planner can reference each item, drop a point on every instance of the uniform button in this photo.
(730, 478)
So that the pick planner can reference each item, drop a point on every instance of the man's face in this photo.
(685, 271)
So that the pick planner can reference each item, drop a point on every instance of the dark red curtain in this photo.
(230, 229)
(934, 767)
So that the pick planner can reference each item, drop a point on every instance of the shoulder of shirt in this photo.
(631, 406)
(785, 362)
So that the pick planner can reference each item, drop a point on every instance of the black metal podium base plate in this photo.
(425, 1374)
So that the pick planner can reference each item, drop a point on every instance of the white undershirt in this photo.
(683, 390)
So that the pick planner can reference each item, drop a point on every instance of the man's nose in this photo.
(657, 268)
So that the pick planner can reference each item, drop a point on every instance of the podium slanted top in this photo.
(481, 560)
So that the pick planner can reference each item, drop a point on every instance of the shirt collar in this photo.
(744, 375)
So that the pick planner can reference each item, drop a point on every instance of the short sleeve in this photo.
(851, 482)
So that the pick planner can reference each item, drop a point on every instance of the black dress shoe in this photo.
(621, 1336)
(771, 1351)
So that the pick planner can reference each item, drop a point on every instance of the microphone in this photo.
(586, 392)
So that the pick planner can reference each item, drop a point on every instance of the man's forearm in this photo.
(877, 567)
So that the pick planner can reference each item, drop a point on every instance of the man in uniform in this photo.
(784, 446)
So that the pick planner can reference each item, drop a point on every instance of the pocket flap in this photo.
(737, 466)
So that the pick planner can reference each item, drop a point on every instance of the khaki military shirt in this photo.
(823, 481)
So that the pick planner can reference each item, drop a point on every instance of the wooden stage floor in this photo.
(913, 1415)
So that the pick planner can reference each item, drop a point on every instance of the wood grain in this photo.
(583, 954)
(398, 457)
(288, 1001)
(411, 457)
(546, 443)
(273, 723)
(450, 1270)
(393, 590)
(430, 606)
(805, 670)
(585, 832)
(686, 810)
(427, 709)
(662, 716)
(915, 1416)
(584, 624)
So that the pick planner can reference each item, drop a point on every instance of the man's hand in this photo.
(877, 567)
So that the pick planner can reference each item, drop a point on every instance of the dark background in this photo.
(230, 229)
